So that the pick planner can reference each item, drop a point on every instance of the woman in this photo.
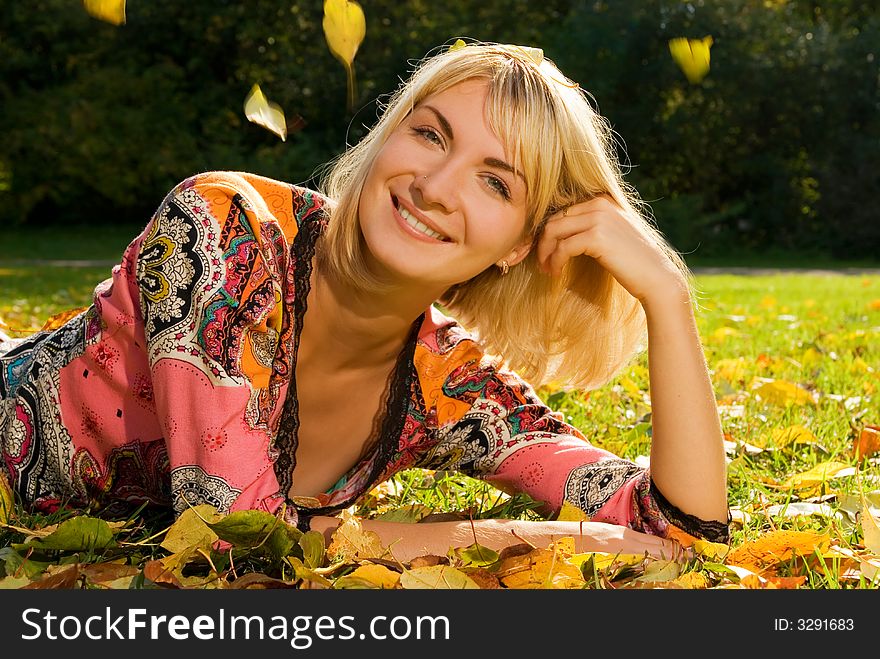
(266, 346)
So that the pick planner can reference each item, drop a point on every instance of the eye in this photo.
(429, 135)
(498, 186)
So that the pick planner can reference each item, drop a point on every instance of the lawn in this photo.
(795, 362)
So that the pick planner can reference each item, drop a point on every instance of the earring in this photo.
(505, 268)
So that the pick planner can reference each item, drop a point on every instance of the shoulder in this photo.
(260, 198)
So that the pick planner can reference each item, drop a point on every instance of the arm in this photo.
(408, 541)
(687, 452)
(687, 456)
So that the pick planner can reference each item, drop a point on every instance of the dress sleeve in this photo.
(210, 276)
(511, 439)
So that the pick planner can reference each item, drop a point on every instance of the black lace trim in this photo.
(396, 396)
(711, 530)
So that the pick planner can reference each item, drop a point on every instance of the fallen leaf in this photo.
(110, 11)
(379, 575)
(476, 555)
(191, 530)
(350, 541)
(437, 577)
(781, 392)
(764, 554)
(658, 571)
(867, 443)
(781, 437)
(714, 551)
(692, 580)
(800, 508)
(571, 513)
(82, 533)
(405, 514)
(815, 477)
(540, 568)
(7, 506)
(259, 110)
(870, 529)
(65, 578)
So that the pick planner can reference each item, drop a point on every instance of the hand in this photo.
(601, 229)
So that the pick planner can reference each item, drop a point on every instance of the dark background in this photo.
(776, 150)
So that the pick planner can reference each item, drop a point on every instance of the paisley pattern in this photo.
(175, 387)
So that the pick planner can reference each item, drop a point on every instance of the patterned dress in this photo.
(175, 387)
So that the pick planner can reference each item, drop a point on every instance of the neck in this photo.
(348, 329)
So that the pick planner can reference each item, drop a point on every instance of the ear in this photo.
(517, 254)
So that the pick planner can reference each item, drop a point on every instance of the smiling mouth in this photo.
(416, 224)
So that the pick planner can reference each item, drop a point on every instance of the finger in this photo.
(567, 248)
(561, 228)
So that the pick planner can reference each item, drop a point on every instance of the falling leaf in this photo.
(868, 442)
(111, 11)
(344, 28)
(260, 111)
(771, 549)
(7, 508)
(692, 56)
(350, 541)
(437, 577)
(780, 392)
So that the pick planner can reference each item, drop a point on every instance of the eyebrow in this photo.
(491, 162)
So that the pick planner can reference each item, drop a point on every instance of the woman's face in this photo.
(441, 202)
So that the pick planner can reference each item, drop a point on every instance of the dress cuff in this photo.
(711, 530)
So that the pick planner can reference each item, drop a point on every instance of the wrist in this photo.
(672, 295)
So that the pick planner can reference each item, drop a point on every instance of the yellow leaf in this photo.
(571, 513)
(693, 580)
(692, 56)
(603, 560)
(6, 500)
(540, 568)
(437, 577)
(111, 11)
(867, 443)
(344, 29)
(722, 333)
(459, 43)
(781, 437)
(714, 551)
(260, 111)
(768, 302)
(821, 473)
(780, 392)
(351, 542)
(378, 575)
(732, 370)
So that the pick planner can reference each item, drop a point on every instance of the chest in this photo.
(338, 419)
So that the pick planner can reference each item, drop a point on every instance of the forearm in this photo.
(687, 451)
(407, 541)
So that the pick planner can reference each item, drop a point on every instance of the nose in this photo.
(438, 187)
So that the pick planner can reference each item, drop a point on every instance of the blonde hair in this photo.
(575, 330)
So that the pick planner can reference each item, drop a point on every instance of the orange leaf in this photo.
(59, 319)
(868, 442)
(763, 555)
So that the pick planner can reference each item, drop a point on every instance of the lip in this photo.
(421, 218)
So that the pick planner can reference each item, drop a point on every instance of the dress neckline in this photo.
(395, 399)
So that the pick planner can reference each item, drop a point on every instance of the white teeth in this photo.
(415, 224)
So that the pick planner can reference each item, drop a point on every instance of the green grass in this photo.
(821, 333)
